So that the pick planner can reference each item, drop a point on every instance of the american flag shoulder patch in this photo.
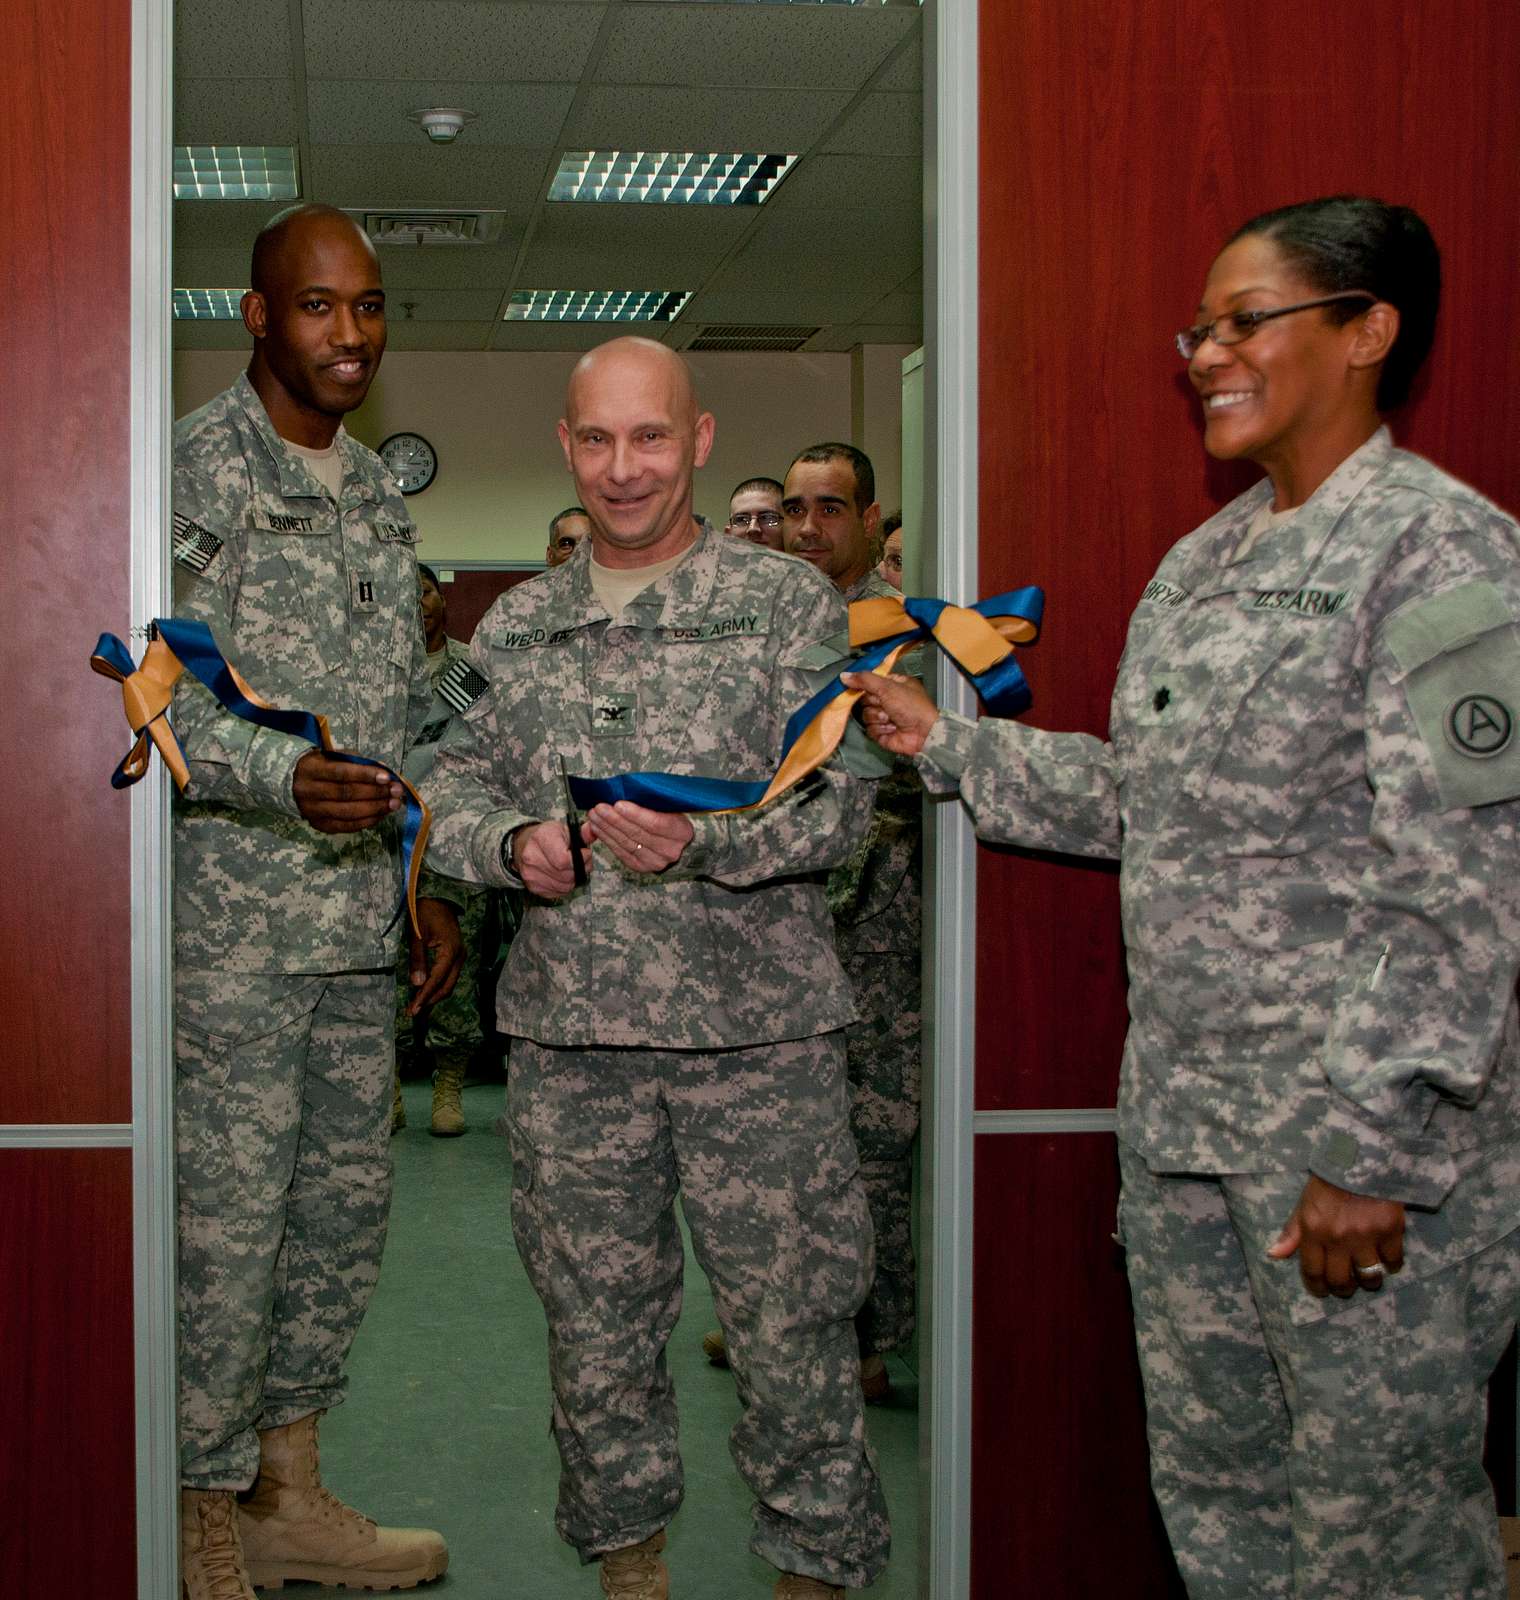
(461, 685)
(194, 546)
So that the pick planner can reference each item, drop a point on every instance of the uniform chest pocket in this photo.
(1283, 727)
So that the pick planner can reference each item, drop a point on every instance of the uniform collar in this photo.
(296, 482)
(677, 600)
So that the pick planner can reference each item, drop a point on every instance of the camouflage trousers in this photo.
(282, 1101)
(885, 1071)
(757, 1143)
(453, 1025)
(1325, 1450)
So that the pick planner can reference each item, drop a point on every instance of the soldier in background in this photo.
(566, 530)
(890, 568)
(677, 1019)
(754, 512)
(294, 546)
(876, 897)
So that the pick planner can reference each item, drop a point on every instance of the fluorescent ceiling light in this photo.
(208, 305)
(671, 177)
(235, 172)
(596, 305)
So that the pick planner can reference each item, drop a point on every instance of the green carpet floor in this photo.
(446, 1423)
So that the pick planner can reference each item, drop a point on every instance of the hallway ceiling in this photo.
(837, 247)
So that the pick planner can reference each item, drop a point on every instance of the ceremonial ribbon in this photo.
(176, 647)
(979, 639)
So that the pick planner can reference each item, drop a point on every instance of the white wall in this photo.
(491, 418)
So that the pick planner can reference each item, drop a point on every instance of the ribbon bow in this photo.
(979, 639)
(176, 647)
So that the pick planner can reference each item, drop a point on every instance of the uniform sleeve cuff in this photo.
(1366, 1161)
(946, 752)
(271, 770)
(711, 839)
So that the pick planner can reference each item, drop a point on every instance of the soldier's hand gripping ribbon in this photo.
(175, 647)
(979, 639)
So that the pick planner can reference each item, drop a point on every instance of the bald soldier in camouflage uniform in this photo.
(677, 1022)
(299, 558)
(1311, 786)
(830, 517)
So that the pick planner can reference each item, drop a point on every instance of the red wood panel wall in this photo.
(65, 260)
(1119, 147)
(66, 1442)
(469, 592)
(66, 1369)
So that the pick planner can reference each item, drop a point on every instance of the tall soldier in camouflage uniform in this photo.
(677, 1021)
(453, 1024)
(295, 547)
(1311, 786)
(832, 520)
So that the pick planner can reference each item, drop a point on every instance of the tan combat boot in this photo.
(210, 1555)
(798, 1586)
(295, 1530)
(715, 1347)
(637, 1573)
(448, 1113)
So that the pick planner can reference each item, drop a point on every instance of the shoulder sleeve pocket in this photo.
(1458, 657)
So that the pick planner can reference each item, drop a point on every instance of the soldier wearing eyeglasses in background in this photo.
(754, 512)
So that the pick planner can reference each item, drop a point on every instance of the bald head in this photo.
(632, 437)
(632, 360)
(284, 241)
(317, 315)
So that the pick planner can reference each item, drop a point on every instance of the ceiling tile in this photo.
(781, 305)
(221, 224)
(561, 335)
(887, 332)
(791, 47)
(235, 111)
(429, 175)
(468, 40)
(438, 335)
(619, 118)
(907, 71)
(895, 307)
(854, 248)
(830, 183)
(211, 269)
(231, 38)
(441, 305)
(209, 336)
(484, 266)
(373, 112)
(882, 125)
(649, 247)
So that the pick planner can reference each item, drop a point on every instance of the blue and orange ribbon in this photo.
(979, 639)
(176, 647)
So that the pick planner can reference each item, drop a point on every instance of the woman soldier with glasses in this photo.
(1310, 784)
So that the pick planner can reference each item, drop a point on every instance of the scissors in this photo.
(573, 824)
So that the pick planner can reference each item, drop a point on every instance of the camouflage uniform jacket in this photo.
(1310, 784)
(731, 946)
(876, 897)
(316, 606)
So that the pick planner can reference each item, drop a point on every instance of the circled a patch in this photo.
(1479, 725)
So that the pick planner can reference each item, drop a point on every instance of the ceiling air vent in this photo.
(423, 226)
(743, 336)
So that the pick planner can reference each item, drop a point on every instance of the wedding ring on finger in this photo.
(1371, 1272)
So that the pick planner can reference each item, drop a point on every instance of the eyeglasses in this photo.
(760, 519)
(1235, 327)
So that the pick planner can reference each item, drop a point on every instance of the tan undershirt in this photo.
(326, 466)
(1263, 520)
(616, 586)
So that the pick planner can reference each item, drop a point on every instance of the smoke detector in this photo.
(442, 124)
